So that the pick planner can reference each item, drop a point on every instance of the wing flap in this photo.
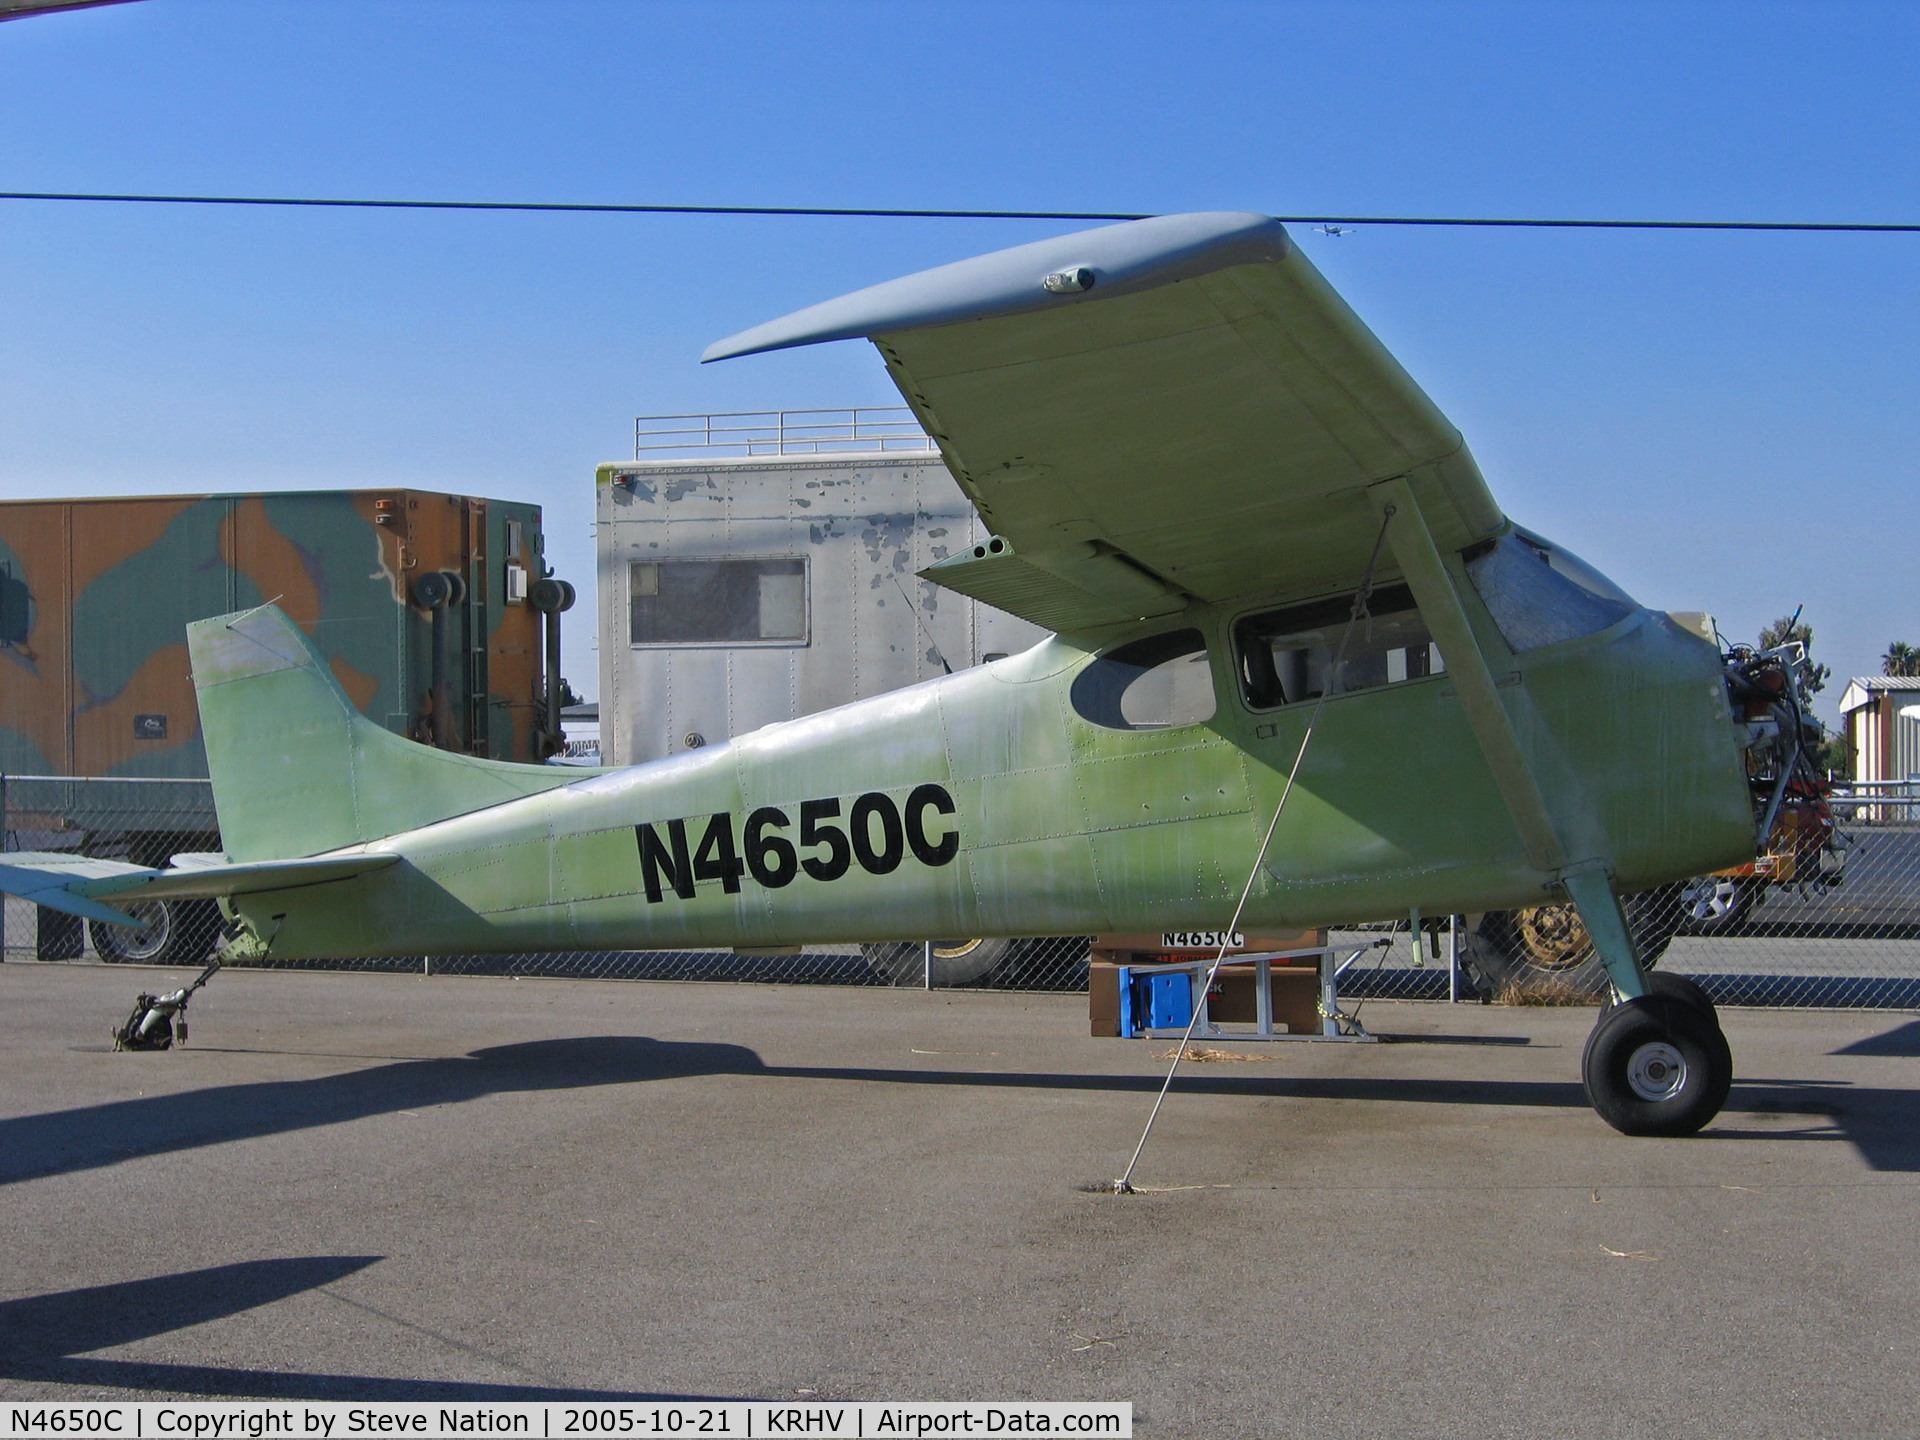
(1065, 590)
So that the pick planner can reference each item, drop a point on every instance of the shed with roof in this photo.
(1881, 714)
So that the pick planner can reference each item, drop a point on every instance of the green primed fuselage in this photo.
(982, 803)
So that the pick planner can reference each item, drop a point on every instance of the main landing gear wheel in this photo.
(1676, 987)
(1658, 1065)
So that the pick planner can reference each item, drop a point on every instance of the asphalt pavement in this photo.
(399, 1187)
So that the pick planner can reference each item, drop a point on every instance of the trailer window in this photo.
(718, 602)
(1285, 655)
(1151, 684)
(1540, 595)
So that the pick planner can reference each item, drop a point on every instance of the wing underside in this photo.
(1200, 421)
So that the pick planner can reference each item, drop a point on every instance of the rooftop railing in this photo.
(870, 428)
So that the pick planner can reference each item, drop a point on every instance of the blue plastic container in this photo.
(1168, 1002)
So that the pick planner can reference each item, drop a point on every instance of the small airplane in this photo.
(1301, 660)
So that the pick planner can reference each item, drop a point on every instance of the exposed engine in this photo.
(1793, 821)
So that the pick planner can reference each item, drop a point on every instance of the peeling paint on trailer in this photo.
(860, 524)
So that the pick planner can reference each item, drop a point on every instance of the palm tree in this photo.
(1900, 659)
(1785, 631)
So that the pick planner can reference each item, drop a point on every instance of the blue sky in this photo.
(1720, 422)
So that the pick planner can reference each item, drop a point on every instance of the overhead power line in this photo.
(543, 206)
(1485, 221)
(1517, 223)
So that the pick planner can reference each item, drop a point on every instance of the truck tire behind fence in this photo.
(1717, 904)
(178, 932)
(955, 962)
(1542, 954)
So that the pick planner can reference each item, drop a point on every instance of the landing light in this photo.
(1070, 281)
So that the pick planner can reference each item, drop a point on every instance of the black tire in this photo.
(1656, 1066)
(178, 932)
(1543, 953)
(1678, 987)
(1717, 904)
(955, 962)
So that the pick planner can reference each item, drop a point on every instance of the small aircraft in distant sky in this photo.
(1192, 458)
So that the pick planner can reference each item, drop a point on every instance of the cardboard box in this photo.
(1296, 983)
(1103, 998)
(1296, 998)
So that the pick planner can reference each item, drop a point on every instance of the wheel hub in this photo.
(1709, 899)
(151, 938)
(1657, 1071)
(1554, 935)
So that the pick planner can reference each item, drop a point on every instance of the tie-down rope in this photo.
(1124, 1185)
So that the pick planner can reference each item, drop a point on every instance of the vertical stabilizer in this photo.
(297, 770)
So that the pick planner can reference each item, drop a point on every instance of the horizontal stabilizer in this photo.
(77, 884)
(44, 878)
(212, 882)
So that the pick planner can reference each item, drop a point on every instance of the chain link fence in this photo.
(1842, 931)
(1047, 963)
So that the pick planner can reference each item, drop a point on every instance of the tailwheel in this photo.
(1657, 1065)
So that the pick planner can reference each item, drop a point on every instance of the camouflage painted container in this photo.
(95, 596)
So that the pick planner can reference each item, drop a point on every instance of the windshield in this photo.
(1539, 594)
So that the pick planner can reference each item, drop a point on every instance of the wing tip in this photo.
(1130, 256)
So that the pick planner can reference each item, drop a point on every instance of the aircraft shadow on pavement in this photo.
(1902, 1042)
(1879, 1121)
(62, 1141)
(45, 1339)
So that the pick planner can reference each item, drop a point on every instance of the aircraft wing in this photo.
(78, 884)
(1164, 410)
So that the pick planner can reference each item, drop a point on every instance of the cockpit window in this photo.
(1150, 684)
(1286, 655)
(1540, 595)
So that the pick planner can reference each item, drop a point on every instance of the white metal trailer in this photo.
(757, 568)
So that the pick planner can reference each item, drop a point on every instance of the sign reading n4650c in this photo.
(872, 830)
